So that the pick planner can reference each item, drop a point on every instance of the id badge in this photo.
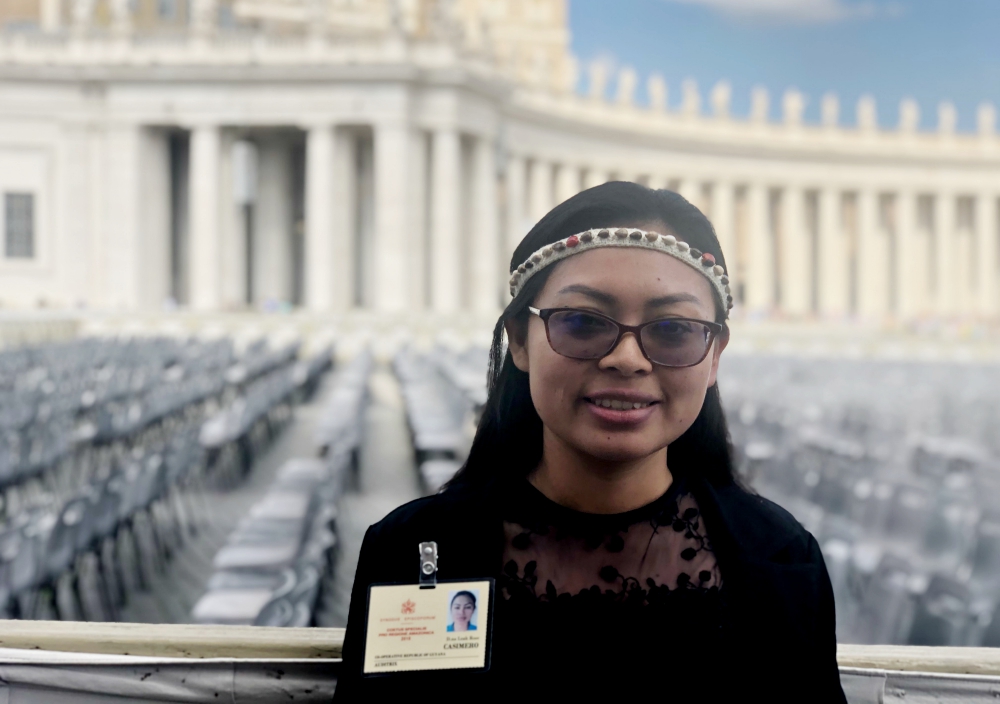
(412, 628)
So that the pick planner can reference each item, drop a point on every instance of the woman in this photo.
(463, 608)
(599, 491)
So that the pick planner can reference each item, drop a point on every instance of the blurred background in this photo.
(253, 251)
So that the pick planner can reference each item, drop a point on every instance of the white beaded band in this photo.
(700, 261)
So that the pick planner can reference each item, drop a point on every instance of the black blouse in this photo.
(646, 580)
(639, 558)
(710, 593)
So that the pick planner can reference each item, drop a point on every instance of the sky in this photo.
(928, 50)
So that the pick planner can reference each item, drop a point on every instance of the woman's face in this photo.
(462, 609)
(631, 286)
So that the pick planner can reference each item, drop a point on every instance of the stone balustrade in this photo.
(63, 661)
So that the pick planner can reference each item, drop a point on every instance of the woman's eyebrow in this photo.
(599, 296)
(608, 299)
(672, 299)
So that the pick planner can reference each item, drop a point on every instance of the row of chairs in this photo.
(888, 465)
(270, 569)
(436, 409)
(443, 393)
(125, 503)
(338, 427)
(80, 560)
(276, 562)
(308, 372)
(64, 413)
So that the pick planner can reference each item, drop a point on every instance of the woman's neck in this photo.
(591, 485)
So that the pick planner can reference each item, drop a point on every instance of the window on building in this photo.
(20, 225)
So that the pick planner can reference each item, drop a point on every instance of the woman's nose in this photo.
(627, 357)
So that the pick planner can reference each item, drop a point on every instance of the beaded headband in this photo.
(700, 261)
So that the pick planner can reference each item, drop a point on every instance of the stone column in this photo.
(152, 234)
(272, 246)
(795, 253)
(659, 182)
(122, 275)
(723, 219)
(232, 227)
(516, 208)
(319, 218)
(345, 275)
(832, 255)
(392, 221)
(905, 265)
(945, 241)
(567, 182)
(759, 284)
(121, 18)
(871, 256)
(204, 226)
(418, 238)
(50, 15)
(595, 176)
(82, 16)
(691, 191)
(204, 16)
(540, 196)
(446, 167)
(986, 253)
(484, 242)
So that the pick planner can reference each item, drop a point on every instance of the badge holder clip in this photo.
(428, 565)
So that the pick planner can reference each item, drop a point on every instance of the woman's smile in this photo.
(621, 407)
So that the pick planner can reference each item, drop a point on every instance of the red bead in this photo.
(572, 241)
(708, 258)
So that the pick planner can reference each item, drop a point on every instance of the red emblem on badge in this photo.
(409, 607)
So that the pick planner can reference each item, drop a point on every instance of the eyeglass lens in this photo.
(672, 343)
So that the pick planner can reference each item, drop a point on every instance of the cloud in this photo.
(799, 11)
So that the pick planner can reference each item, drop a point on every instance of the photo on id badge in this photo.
(462, 610)
(411, 627)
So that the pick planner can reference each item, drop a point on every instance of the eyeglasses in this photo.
(669, 342)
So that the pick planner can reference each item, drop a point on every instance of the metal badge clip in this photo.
(428, 564)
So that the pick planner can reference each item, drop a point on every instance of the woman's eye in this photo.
(671, 332)
(672, 327)
(581, 322)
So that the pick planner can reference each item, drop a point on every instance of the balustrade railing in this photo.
(56, 661)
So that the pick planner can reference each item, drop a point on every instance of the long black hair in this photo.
(508, 441)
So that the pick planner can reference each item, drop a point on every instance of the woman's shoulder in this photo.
(456, 503)
(762, 527)
(461, 520)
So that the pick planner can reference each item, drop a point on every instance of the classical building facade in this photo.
(389, 154)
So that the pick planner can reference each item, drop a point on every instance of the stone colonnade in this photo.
(805, 248)
(395, 219)
(425, 233)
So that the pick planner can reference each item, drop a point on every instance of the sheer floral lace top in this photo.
(648, 578)
(639, 557)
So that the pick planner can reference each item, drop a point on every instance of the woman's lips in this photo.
(621, 416)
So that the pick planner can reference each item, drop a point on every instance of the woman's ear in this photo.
(517, 339)
(720, 344)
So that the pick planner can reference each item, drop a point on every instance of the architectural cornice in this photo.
(730, 137)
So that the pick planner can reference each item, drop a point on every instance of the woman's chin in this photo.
(618, 449)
